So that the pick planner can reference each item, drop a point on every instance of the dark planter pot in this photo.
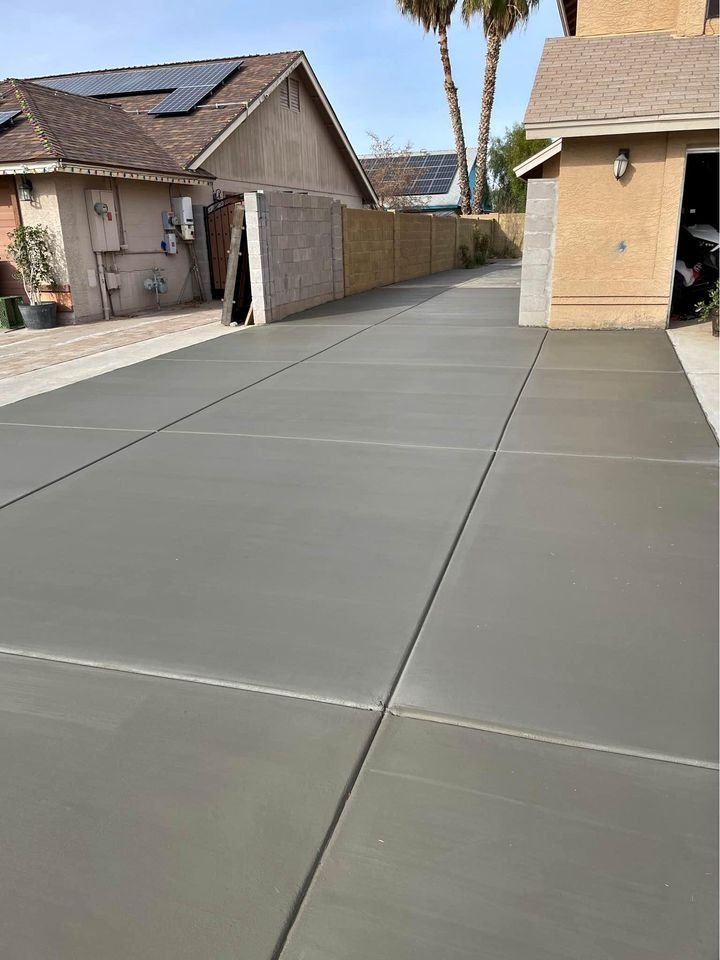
(39, 316)
(714, 321)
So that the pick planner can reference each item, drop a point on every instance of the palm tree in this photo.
(500, 18)
(434, 17)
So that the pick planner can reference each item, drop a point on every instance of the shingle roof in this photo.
(118, 131)
(644, 75)
(63, 126)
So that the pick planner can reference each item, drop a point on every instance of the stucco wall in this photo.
(615, 240)
(140, 205)
(294, 251)
(602, 18)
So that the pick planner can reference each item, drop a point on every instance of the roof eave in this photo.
(603, 127)
(101, 170)
(524, 169)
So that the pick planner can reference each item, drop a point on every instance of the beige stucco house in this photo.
(632, 77)
(99, 157)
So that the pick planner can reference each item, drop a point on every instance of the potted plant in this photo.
(29, 248)
(708, 309)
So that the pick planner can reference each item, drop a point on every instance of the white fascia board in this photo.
(537, 159)
(259, 100)
(626, 125)
(58, 166)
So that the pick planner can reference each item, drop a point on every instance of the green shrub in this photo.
(30, 249)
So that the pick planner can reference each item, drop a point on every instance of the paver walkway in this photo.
(389, 631)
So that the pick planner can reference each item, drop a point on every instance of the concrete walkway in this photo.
(389, 631)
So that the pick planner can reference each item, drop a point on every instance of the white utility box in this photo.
(183, 213)
(102, 219)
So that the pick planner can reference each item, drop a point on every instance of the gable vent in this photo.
(290, 95)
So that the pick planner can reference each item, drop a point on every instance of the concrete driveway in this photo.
(389, 631)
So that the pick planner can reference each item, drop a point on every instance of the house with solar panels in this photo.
(423, 180)
(123, 167)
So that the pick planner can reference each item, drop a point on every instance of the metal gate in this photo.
(218, 225)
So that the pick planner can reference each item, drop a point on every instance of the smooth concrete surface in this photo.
(465, 845)
(402, 404)
(94, 353)
(699, 353)
(151, 805)
(631, 350)
(289, 341)
(293, 565)
(577, 605)
(34, 456)
(146, 396)
(439, 345)
(151, 818)
(611, 414)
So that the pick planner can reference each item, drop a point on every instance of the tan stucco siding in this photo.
(615, 241)
(140, 208)
(684, 18)
(278, 148)
(551, 168)
(44, 210)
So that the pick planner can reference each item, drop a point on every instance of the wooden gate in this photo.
(218, 224)
(9, 219)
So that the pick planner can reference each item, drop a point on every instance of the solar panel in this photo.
(422, 174)
(183, 99)
(7, 115)
(111, 83)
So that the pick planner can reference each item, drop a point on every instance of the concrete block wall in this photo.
(538, 252)
(467, 228)
(295, 252)
(368, 249)
(413, 245)
(444, 232)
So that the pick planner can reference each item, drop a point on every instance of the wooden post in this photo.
(232, 264)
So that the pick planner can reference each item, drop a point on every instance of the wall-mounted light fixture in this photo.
(621, 163)
(25, 190)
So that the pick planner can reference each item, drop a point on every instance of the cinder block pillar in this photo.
(538, 251)
(257, 227)
(338, 269)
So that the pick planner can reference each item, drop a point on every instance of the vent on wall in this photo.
(290, 94)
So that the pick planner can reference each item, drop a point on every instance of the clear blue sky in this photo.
(380, 71)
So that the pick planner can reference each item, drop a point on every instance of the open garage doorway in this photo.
(696, 260)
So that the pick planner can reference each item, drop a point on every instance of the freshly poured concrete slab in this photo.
(384, 403)
(473, 307)
(439, 345)
(34, 456)
(274, 341)
(294, 565)
(367, 309)
(465, 845)
(149, 818)
(617, 414)
(145, 396)
(607, 350)
(581, 604)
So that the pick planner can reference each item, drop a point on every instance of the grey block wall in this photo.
(295, 252)
(538, 250)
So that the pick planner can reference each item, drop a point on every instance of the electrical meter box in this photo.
(102, 219)
(183, 211)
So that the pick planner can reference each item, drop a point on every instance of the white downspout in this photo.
(104, 296)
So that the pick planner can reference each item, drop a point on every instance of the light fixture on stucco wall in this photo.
(25, 190)
(621, 163)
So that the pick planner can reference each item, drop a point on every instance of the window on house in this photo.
(713, 9)
(290, 94)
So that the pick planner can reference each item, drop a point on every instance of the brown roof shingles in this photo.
(645, 75)
(118, 131)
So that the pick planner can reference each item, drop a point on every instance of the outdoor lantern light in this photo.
(26, 189)
(621, 164)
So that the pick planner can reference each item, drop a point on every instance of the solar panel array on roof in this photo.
(7, 115)
(202, 78)
(420, 174)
